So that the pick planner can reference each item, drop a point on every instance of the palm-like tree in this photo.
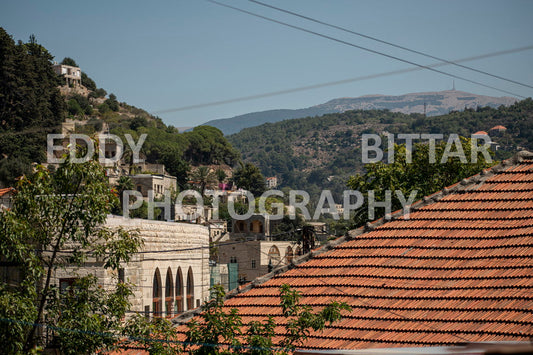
(124, 183)
(202, 176)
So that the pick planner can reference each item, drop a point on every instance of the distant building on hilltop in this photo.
(271, 182)
(71, 74)
(497, 131)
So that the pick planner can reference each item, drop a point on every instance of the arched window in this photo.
(157, 294)
(289, 255)
(190, 290)
(273, 256)
(179, 291)
(169, 293)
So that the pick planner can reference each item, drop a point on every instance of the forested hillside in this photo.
(32, 106)
(321, 152)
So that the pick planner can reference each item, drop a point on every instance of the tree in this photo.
(87, 82)
(30, 103)
(57, 221)
(69, 61)
(221, 175)
(202, 177)
(420, 175)
(112, 102)
(218, 332)
(249, 177)
(124, 183)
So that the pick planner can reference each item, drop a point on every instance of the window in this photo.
(169, 293)
(190, 290)
(65, 284)
(253, 264)
(179, 292)
(156, 294)
(289, 255)
(121, 275)
(274, 256)
(233, 259)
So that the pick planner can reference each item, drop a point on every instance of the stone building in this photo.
(159, 183)
(166, 283)
(256, 257)
(71, 74)
(258, 225)
(271, 182)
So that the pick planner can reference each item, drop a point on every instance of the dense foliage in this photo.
(420, 176)
(316, 153)
(30, 104)
(56, 221)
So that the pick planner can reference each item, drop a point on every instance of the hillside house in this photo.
(271, 182)
(72, 75)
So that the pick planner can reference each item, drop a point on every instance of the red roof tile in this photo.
(5, 191)
(459, 270)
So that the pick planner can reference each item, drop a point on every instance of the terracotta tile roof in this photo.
(459, 270)
(5, 191)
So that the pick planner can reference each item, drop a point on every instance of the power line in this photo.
(390, 44)
(338, 82)
(363, 48)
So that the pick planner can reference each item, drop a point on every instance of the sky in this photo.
(165, 56)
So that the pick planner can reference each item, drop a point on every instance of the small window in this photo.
(233, 259)
(64, 284)
(121, 275)
(253, 264)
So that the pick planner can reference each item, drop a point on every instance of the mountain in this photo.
(437, 103)
(317, 153)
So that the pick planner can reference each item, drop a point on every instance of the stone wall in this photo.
(189, 257)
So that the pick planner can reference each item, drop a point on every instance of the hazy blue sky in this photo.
(169, 54)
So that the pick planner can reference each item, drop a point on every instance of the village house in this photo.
(158, 183)
(458, 271)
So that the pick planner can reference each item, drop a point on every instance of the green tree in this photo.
(69, 61)
(221, 175)
(218, 332)
(57, 221)
(420, 175)
(249, 177)
(202, 177)
(87, 82)
(112, 102)
(30, 103)
(124, 183)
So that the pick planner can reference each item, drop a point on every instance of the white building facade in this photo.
(170, 274)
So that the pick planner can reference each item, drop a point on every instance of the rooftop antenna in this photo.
(453, 88)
